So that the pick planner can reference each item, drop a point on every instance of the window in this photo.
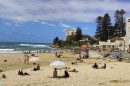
(128, 20)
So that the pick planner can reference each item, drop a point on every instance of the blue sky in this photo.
(42, 20)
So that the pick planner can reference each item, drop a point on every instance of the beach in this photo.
(115, 74)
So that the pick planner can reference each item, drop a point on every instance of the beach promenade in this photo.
(115, 74)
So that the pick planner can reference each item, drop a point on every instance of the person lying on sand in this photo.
(66, 68)
(79, 59)
(73, 70)
(70, 70)
(74, 63)
(103, 67)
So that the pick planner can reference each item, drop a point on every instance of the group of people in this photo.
(20, 72)
(96, 66)
(55, 74)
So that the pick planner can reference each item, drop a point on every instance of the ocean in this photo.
(21, 47)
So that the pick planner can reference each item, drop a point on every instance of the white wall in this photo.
(127, 37)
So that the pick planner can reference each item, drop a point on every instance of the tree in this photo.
(61, 43)
(119, 23)
(78, 35)
(56, 41)
(99, 28)
(93, 41)
(106, 27)
(71, 38)
(111, 32)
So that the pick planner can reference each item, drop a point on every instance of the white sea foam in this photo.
(9, 51)
(33, 45)
(6, 49)
(22, 47)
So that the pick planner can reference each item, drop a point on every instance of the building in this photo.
(114, 43)
(70, 32)
(127, 36)
(86, 37)
(122, 43)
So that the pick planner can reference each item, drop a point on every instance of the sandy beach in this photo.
(64, 42)
(116, 73)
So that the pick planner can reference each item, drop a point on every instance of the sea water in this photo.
(21, 47)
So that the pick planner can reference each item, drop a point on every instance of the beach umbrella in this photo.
(84, 47)
(34, 59)
(57, 63)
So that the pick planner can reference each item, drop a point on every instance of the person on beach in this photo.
(55, 73)
(37, 68)
(20, 72)
(103, 67)
(66, 74)
(27, 59)
(95, 66)
(74, 62)
(25, 56)
(3, 76)
(72, 70)
(99, 66)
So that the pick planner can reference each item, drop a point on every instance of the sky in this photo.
(41, 21)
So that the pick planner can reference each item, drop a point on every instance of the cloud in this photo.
(7, 23)
(11, 24)
(46, 23)
(65, 25)
(20, 11)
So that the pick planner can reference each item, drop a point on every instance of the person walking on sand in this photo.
(27, 59)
